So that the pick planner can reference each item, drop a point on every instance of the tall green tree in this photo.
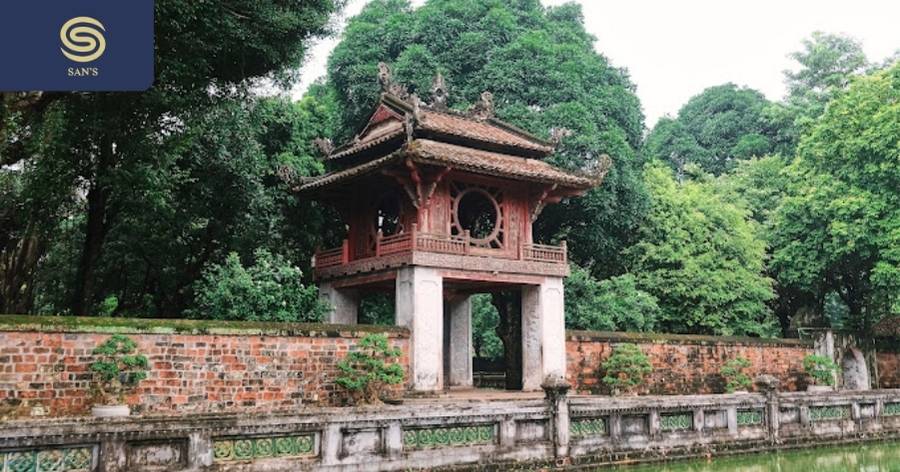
(714, 129)
(839, 230)
(111, 155)
(702, 258)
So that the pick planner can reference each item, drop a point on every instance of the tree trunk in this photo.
(509, 305)
(18, 262)
(94, 235)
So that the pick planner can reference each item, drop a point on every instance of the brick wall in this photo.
(195, 366)
(888, 369)
(685, 364)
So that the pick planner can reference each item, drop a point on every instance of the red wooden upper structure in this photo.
(423, 185)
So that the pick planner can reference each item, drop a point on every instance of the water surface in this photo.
(871, 457)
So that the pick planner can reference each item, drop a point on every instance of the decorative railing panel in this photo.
(588, 427)
(828, 413)
(66, 459)
(441, 244)
(448, 436)
(544, 253)
(330, 258)
(749, 417)
(676, 421)
(892, 409)
(395, 244)
(235, 449)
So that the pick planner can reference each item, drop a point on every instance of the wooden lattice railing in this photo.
(442, 244)
(415, 240)
(544, 253)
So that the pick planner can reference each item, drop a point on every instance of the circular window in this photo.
(478, 212)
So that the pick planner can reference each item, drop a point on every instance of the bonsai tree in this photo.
(366, 371)
(626, 368)
(821, 369)
(118, 369)
(735, 377)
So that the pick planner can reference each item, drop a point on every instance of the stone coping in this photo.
(660, 338)
(88, 324)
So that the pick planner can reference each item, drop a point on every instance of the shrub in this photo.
(118, 370)
(614, 304)
(735, 378)
(820, 368)
(626, 368)
(367, 370)
(269, 290)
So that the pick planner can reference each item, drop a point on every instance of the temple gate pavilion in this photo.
(439, 205)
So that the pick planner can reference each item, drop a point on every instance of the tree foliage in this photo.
(118, 165)
(702, 260)
(614, 304)
(269, 290)
(838, 228)
(715, 129)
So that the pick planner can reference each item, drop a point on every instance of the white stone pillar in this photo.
(344, 304)
(543, 332)
(460, 342)
(420, 308)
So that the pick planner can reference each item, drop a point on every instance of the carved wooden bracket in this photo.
(434, 183)
(542, 202)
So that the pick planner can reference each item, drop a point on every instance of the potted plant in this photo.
(625, 369)
(117, 371)
(368, 370)
(821, 370)
(736, 380)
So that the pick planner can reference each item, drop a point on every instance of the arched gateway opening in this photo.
(439, 206)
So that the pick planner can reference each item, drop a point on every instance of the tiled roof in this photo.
(347, 174)
(382, 134)
(462, 158)
(494, 163)
(387, 123)
(489, 131)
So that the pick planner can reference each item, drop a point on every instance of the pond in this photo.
(872, 457)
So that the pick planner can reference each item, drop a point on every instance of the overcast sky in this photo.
(673, 50)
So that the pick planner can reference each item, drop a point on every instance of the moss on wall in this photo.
(87, 324)
(614, 337)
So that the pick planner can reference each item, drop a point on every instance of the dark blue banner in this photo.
(76, 45)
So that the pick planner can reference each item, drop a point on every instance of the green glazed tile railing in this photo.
(676, 421)
(749, 417)
(587, 427)
(825, 413)
(69, 459)
(892, 409)
(238, 449)
(447, 436)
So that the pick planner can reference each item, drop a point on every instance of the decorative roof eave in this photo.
(420, 120)
(428, 152)
(348, 174)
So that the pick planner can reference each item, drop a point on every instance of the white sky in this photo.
(675, 49)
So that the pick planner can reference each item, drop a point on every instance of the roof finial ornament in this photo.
(439, 93)
(324, 146)
(483, 109)
(386, 81)
(558, 134)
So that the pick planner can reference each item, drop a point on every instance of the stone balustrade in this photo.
(560, 429)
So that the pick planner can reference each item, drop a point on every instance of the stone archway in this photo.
(854, 370)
